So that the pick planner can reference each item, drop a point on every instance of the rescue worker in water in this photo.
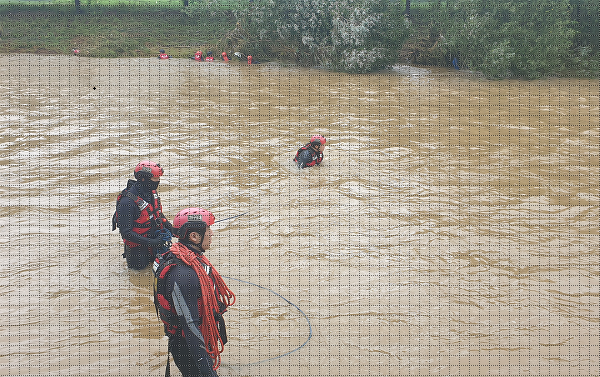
(312, 153)
(162, 54)
(190, 296)
(197, 56)
(139, 216)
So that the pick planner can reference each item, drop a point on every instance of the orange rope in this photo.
(207, 304)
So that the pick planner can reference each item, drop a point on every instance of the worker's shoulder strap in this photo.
(141, 203)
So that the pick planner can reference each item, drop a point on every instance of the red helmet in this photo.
(318, 138)
(147, 170)
(192, 219)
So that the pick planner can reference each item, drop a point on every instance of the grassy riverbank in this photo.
(108, 30)
(124, 28)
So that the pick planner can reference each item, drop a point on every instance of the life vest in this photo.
(249, 59)
(151, 215)
(225, 57)
(166, 312)
(209, 59)
(163, 56)
(198, 56)
(317, 157)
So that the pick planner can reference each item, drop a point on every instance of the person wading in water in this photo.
(312, 153)
(197, 56)
(162, 54)
(190, 296)
(139, 216)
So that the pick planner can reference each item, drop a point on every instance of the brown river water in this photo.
(452, 228)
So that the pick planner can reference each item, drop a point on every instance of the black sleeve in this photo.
(185, 295)
(127, 212)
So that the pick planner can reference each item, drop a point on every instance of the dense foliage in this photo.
(346, 35)
(586, 16)
(505, 38)
(501, 38)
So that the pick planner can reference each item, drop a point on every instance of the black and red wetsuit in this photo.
(307, 156)
(139, 216)
(177, 294)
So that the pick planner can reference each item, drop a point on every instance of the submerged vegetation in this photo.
(503, 38)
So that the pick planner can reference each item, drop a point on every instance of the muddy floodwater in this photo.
(452, 229)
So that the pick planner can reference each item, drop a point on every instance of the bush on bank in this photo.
(503, 38)
(507, 37)
(345, 35)
(586, 17)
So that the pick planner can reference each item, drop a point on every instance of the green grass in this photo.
(134, 3)
(94, 2)
(108, 30)
(222, 4)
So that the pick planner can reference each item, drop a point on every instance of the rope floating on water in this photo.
(232, 217)
(289, 302)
